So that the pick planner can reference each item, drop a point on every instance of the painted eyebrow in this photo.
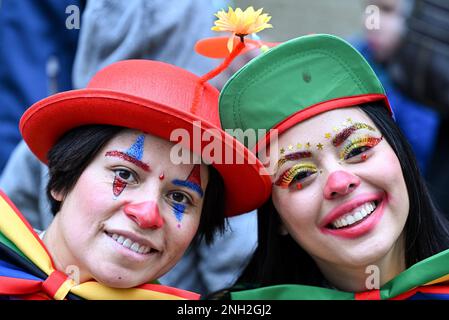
(294, 156)
(345, 133)
(189, 184)
(127, 157)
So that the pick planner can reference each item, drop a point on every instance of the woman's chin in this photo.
(120, 280)
(369, 256)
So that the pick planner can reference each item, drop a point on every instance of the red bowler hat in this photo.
(156, 98)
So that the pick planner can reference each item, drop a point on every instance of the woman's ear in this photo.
(282, 230)
(57, 195)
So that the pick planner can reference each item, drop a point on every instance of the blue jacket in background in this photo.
(36, 58)
(419, 123)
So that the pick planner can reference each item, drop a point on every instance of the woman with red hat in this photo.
(349, 216)
(125, 208)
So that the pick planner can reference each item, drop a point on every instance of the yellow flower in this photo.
(241, 23)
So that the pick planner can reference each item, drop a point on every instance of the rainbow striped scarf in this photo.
(27, 270)
(427, 279)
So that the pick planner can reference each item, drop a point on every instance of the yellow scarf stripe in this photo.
(22, 235)
(64, 289)
(94, 290)
(18, 231)
(439, 280)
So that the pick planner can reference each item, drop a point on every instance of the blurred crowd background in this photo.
(292, 18)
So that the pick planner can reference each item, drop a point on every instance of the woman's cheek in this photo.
(388, 164)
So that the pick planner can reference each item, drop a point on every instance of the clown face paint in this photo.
(293, 156)
(192, 182)
(347, 132)
(298, 172)
(353, 213)
(134, 239)
(178, 210)
(355, 146)
(117, 187)
(134, 155)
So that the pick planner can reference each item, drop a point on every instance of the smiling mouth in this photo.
(131, 245)
(354, 217)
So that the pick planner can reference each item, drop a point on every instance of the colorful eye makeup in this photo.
(358, 145)
(347, 132)
(296, 173)
(133, 155)
(293, 157)
(193, 181)
(178, 211)
(118, 186)
(354, 144)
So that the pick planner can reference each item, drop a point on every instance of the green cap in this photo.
(295, 81)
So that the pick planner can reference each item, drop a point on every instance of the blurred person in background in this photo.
(36, 58)
(380, 45)
(421, 70)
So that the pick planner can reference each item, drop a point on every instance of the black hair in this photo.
(278, 259)
(70, 156)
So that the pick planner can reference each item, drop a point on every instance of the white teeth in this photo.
(128, 243)
(355, 215)
(363, 212)
(350, 219)
(135, 247)
(143, 249)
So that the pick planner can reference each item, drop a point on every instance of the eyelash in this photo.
(131, 173)
(364, 142)
(293, 173)
(186, 197)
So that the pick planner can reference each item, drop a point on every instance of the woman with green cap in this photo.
(349, 216)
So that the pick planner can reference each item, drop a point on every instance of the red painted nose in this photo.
(340, 183)
(145, 214)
